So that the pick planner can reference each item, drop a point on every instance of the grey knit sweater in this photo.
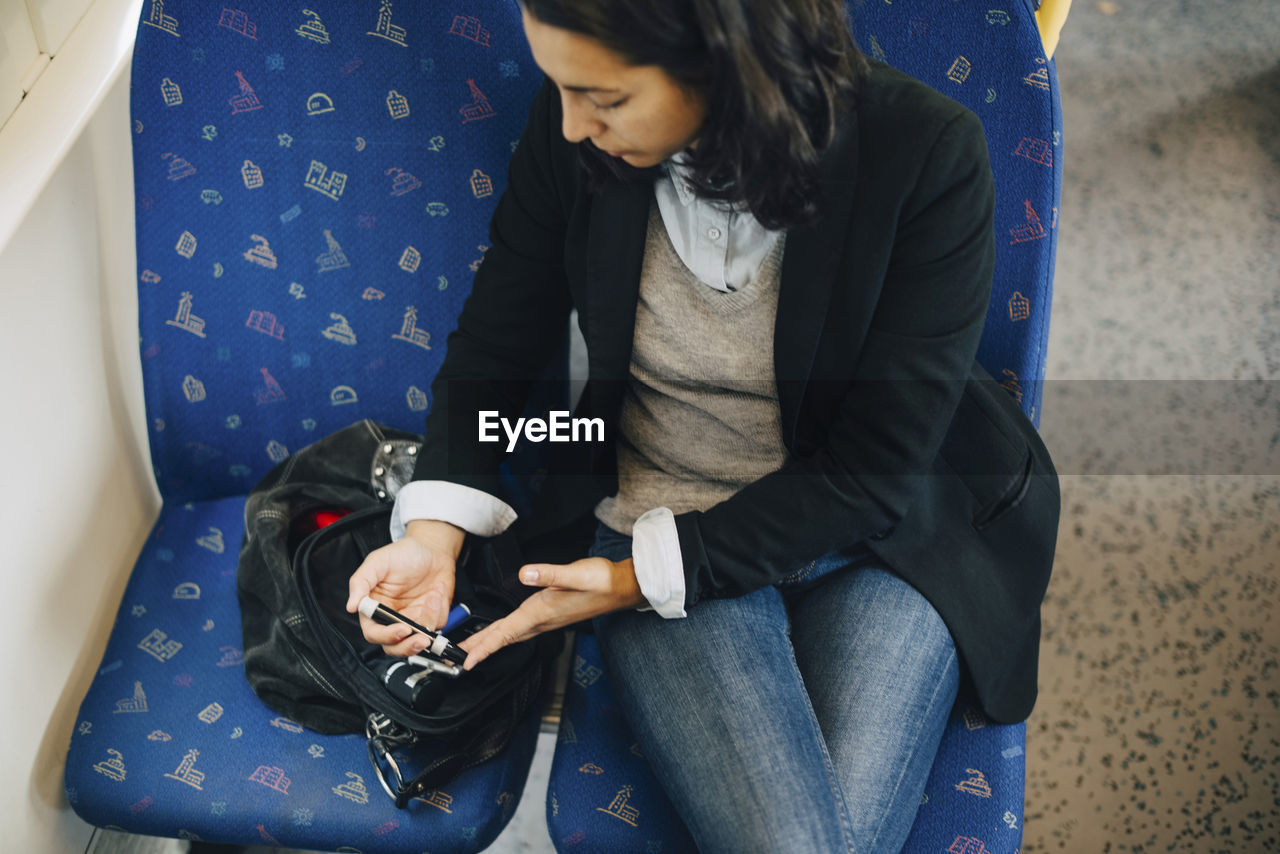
(700, 418)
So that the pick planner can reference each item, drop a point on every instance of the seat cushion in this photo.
(973, 801)
(170, 740)
(603, 797)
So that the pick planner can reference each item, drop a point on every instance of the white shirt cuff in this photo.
(473, 510)
(655, 550)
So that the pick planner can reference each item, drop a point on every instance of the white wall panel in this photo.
(53, 20)
(40, 132)
(79, 498)
(18, 51)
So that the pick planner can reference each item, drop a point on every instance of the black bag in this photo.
(305, 656)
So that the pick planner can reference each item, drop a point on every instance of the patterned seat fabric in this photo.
(992, 61)
(314, 188)
(603, 796)
(172, 742)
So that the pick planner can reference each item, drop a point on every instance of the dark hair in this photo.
(776, 75)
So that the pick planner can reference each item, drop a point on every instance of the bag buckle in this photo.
(384, 735)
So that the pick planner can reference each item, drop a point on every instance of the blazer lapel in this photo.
(615, 253)
(811, 260)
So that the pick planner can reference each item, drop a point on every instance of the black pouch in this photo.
(306, 657)
(476, 712)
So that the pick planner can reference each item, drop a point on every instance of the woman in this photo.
(781, 257)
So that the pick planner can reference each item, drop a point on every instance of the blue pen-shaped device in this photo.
(456, 616)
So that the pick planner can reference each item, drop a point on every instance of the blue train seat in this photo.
(314, 188)
(602, 796)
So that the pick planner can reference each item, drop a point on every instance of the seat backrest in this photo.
(314, 187)
(992, 61)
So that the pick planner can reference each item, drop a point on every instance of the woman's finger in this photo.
(588, 575)
(362, 582)
(575, 591)
(415, 643)
(512, 628)
(383, 636)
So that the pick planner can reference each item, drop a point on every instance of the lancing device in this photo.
(430, 665)
(440, 645)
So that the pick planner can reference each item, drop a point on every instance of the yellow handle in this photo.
(1050, 17)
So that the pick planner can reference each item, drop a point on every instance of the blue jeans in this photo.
(803, 717)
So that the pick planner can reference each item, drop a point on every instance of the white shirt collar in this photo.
(678, 171)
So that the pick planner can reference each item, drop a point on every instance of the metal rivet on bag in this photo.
(382, 493)
(387, 448)
(379, 471)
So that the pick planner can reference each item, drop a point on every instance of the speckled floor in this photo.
(1158, 723)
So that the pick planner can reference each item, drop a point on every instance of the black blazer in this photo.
(895, 434)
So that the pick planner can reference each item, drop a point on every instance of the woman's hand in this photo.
(571, 592)
(415, 576)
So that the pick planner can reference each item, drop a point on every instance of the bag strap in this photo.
(384, 736)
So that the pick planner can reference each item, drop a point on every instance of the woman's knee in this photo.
(871, 608)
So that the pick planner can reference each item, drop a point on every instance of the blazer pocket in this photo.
(1005, 504)
(984, 449)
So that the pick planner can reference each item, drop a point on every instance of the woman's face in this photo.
(636, 113)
